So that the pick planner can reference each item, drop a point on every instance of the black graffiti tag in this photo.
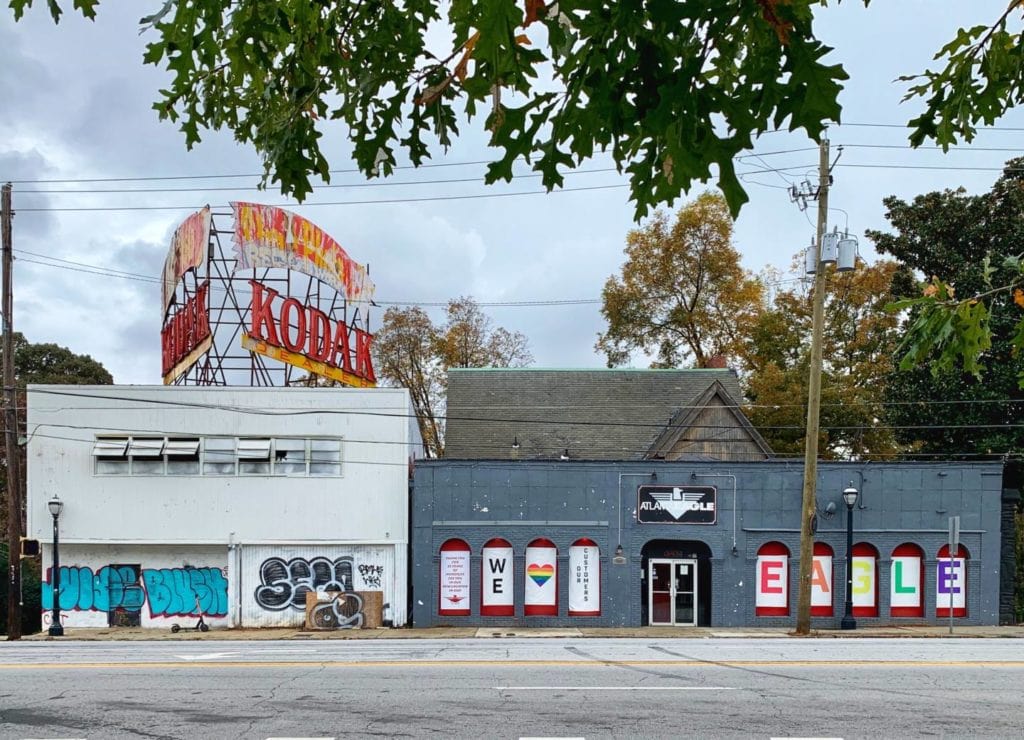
(284, 584)
(371, 575)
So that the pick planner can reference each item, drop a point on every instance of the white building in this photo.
(241, 498)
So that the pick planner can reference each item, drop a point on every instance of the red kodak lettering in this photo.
(289, 307)
(319, 335)
(364, 363)
(341, 347)
(262, 315)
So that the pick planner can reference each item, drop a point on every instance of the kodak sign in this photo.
(185, 335)
(288, 330)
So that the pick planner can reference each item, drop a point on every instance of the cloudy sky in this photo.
(77, 108)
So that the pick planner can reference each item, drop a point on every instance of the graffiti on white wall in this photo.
(169, 592)
(284, 584)
(341, 612)
(371, 575)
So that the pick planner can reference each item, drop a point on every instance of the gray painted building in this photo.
(723, 552)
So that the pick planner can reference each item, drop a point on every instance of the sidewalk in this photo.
(447, 633)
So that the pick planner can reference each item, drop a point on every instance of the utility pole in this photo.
(11, 424)
(803, 604)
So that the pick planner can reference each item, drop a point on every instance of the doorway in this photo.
(676, 583)
(672, 592)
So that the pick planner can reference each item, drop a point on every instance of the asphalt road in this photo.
(513, 688)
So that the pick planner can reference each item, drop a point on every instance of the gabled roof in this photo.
(688, 427)
(594, 414)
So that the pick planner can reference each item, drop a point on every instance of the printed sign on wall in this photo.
(821, 581)
(906, 589)
(772, 598)
(584, 579)
(498, 581)
(541, 594)
(676, 505)
(453, 593)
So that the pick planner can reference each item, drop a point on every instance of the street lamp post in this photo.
(55, 505)
(850, 497)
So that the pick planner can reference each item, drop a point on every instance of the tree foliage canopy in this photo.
(410, 351)
(858, 342)
(674, 90)
(683, 294)
(50, 364)
(961, 245)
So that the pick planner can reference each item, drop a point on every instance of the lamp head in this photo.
(565, 455)
(515, 442)
(850, 496)
(55, 505)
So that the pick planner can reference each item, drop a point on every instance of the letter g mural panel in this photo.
(276, 578)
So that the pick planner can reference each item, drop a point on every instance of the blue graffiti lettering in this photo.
(174, 591)
(169, 591)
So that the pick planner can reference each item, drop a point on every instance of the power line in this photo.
(154, 178)
(392, 201)
(525, 421)
(381, 184)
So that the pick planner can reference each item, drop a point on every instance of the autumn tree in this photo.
(410, 351)
(960, 245)
(859, 339)
(468, 338)
(682, 295)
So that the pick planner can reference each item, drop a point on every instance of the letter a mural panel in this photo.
(497, 584)
(821, 581)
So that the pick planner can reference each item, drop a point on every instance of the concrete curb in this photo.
(498, 632)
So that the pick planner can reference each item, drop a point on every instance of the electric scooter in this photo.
(201, 625)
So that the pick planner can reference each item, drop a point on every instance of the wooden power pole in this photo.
(803, 604)
(14, 506)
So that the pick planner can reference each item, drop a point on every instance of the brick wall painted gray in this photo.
(523, 500)
(1008, 558)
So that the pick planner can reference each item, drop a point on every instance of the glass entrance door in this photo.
(672, 592)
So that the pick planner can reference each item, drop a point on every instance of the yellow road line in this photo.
(537, 663)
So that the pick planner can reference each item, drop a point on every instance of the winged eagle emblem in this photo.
(677, 502)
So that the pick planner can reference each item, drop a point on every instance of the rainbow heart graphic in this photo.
(540, 574)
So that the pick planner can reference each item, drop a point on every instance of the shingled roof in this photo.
(597, 415)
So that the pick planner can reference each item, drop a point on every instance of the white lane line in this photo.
(206, 656)
(614, 688)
